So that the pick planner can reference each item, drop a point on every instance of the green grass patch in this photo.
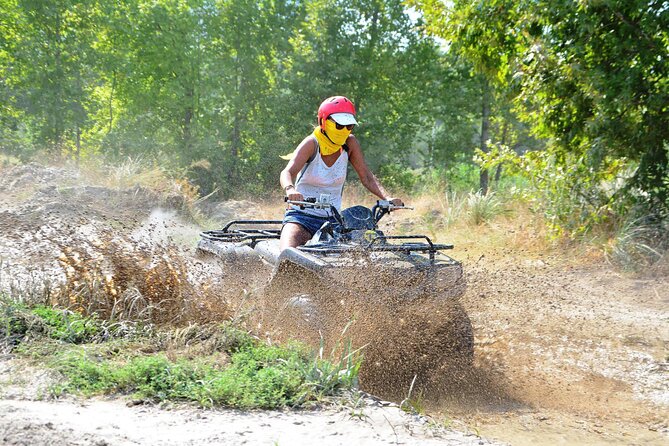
(18, 321)
(256, 376)
(68, 326)
(211, 365)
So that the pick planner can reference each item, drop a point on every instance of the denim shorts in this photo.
(311, 223)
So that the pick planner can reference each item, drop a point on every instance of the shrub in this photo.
(398, 178)
(68, 326)
(483, 208)
(257, 375)
(638, 243)
(14, 322)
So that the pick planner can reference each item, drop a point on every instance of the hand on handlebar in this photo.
(396, 202)
(392, 204)
(293, 195)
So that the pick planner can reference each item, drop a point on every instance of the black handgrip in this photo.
(307, 200)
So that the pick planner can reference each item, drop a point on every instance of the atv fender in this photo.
(296, 272)
(269, 251)
(301, 259)
(229, 252)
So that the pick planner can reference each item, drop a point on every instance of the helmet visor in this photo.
(343, 118)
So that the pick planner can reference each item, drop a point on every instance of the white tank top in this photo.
(317, 180)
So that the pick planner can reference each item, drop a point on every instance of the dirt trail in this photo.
(564, 354)
(576, 355)
(97, 423)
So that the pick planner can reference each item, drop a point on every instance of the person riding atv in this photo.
(324, 272)
(397, 294)
(318, 168)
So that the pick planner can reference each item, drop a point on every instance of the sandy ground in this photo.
(95, 422)
(565, 354)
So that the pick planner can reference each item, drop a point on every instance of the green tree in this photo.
(481, 32)
(375, 53)
(53, 69)
(591, 75)
(597, 79)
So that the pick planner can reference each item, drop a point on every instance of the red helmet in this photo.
(335, 104)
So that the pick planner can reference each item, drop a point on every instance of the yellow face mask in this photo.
(337, 138)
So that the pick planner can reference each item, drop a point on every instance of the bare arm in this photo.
(301, 155)
(367, 178)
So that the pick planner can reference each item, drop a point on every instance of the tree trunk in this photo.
(485, 130)
(111, 102)
(187, 124)
(238, 120)
(58, 110)
(77, 154)
(498, 172)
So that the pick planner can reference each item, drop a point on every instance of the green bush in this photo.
(14, 322)
(398, 178)
(68, 326)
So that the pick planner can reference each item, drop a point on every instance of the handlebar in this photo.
(381, 208)
(313, 203)
(386, 204)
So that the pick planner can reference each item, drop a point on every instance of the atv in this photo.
(402, 290)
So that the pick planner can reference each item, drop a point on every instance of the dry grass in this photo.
(513, 231)
(132, 172)
(118, 280)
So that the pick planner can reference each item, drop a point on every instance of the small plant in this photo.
(14, 322)
(413, 404)
(453, 208)
(637, 243)
(68, 326)
(483, 208)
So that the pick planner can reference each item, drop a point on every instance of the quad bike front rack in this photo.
(253, 231)
(378, 244)
(245, 234)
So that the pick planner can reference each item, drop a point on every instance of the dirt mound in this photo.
(31, 176)
(99, 249)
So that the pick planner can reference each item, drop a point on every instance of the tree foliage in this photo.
(218, 89)
(591, 76)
